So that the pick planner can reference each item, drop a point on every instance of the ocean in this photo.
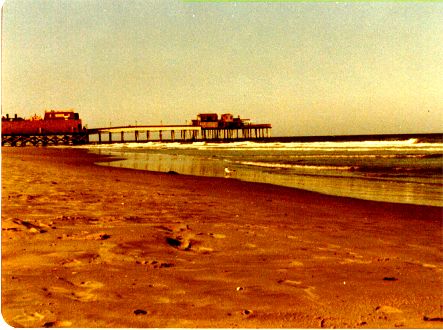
(403, 169)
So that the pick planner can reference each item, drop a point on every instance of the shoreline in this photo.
(132, 248)
(106, 158)
(375, 176)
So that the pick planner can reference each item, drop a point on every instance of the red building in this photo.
(227, 120)
(54, 122)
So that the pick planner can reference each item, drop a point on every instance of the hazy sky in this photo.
(307, 68)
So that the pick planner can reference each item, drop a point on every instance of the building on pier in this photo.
(57, 127)
(227, 120)
(229, 127)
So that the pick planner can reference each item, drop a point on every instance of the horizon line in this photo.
(326, 1)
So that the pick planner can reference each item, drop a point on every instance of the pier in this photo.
(64, 127)
(179, 133)
(144, 133)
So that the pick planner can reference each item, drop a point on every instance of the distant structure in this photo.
(57, 127)
(65, 127)
(230, 127)
(207, 126)
(227, 120)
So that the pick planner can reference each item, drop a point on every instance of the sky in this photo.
(314, 68)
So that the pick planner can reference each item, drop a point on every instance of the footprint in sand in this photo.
(180, 236)
(308, 290)
(155, 264)
(101, 236)
(28, 319)
(180, 242)
(247, 312)
(107, 255)
(184, 239)
(390, 313)
(83, 292)
(57, 324)
(80, 259)
(32, 228)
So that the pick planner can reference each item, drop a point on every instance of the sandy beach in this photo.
(91, 246)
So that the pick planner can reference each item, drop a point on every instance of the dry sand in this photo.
(91, 246)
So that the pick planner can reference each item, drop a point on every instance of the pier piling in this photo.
(186, 133)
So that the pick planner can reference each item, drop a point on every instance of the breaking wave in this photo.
(411, 144)
(296, 166)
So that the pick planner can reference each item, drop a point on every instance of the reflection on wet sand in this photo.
(348, 186)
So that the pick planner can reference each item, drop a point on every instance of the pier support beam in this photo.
(186, 133)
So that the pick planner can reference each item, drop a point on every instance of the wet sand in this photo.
(91, 246)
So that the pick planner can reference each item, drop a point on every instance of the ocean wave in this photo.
(365, 156)
(295, 166)
(385, 169)
(357, 146)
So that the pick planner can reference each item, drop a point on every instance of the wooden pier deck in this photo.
(180, 133)
(143, 133)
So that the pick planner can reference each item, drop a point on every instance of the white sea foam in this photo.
(411, 144)
(295, 166)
